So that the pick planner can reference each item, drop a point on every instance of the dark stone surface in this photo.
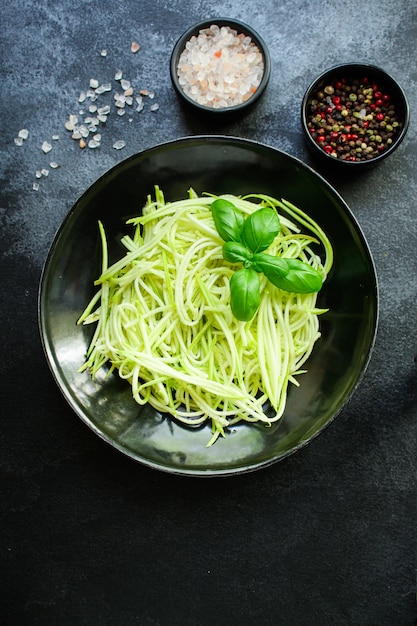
(327, 537)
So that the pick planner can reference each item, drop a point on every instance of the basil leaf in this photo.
(227, 219)
(262, 262)
(235, 252)
(260, 229)
(300, 278)
(245, 294)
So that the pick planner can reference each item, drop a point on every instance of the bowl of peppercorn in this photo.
(354, 115)
(220, 66)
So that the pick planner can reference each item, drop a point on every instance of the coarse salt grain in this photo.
(220, 67)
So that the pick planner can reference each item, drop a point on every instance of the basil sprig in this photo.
(245, 242)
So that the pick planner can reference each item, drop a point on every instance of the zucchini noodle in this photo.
(164, 322)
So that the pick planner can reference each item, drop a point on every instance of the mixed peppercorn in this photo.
(352, 119)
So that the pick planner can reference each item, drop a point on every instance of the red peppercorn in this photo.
(380, 117)
(328, 149)
(377, 95)
(386, 97)
(373, 106)
(379, 102)
(365, 80)
(321, 138)
(329, 109)
(336, 99)
(365, 124)
(338, 84)
(338, 107)
(334, 135)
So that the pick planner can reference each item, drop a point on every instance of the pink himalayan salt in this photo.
(220, 68)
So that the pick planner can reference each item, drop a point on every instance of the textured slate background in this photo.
(327, 537)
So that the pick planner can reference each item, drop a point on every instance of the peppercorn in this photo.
(352, 119)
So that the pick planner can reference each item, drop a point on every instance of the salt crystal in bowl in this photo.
(220, 65)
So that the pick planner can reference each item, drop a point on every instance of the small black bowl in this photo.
(361, 76)
(240, 28)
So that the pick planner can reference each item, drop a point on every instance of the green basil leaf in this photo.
(235, 252)
(260, 229)
(300, 278)
(245, 294)
(227, 219)
(263, 262)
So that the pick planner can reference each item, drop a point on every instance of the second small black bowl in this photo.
(240, 28)
(354, 115)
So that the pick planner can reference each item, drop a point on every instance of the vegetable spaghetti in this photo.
(164, 322)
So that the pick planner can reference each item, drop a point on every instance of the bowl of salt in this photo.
(220, 66)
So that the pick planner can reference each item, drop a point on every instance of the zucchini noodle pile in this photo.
(164, 322)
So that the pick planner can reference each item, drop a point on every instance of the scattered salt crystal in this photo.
(24, 133)
(46, 147)
(55, 137)
(54, 165)
(135, 47)
(18, 141)
(82, 97)
(103, 53)
(76, 135)
(103, 110)
(35, 186)
(129, 100)
(118, 75)
(102, 89)
(92, 108)
(38, 174)
(102, 118)
(121, 112)
(144, 92)
(71, 122)
(94, 83)
(125, 84)
(44, 172)
(154, 107)
(97, 137)
(118, 145)
(151, 95)
(129, 91)
(93, 143)
(83, 131)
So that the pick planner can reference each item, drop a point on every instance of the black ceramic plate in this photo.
(216, 165)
